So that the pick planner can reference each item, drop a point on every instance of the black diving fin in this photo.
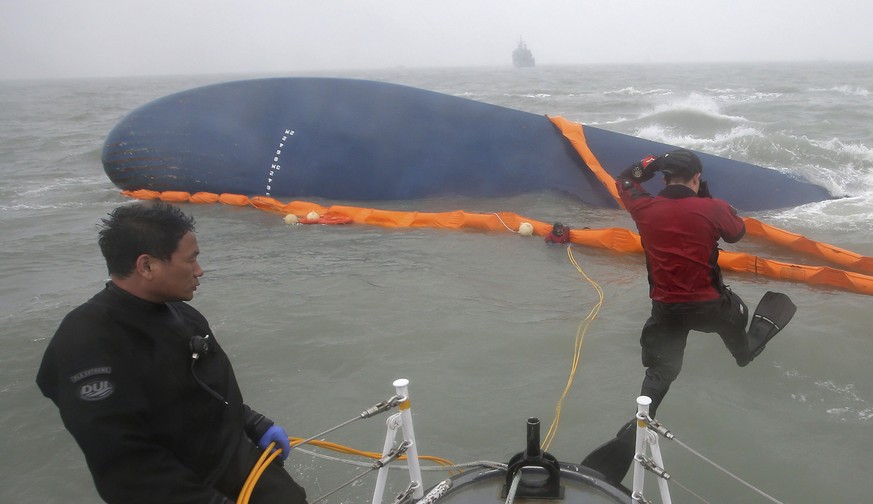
(613, 458)
(773, 313)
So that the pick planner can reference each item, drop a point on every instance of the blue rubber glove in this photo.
(276, 434)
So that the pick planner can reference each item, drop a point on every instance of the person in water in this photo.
(143, 385)
(680, 229)
(559, 234)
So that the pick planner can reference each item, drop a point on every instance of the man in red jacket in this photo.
(559, 234)
(680, 229)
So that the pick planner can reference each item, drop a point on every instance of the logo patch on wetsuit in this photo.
(96, 390)
(90, 372)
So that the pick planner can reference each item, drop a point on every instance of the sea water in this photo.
(319, 320)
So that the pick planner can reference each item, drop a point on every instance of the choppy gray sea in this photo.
(319, 320)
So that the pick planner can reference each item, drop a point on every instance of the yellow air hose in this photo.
(577, 350)
(268, 456)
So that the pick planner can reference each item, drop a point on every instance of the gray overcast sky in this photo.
(99, 38)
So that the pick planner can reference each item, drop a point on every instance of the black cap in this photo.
(680, 163)
(558, 229)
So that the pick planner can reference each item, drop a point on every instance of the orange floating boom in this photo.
(615, 239)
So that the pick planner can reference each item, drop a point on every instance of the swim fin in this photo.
(613, 458)
(773, 313)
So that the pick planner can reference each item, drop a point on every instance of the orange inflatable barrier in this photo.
(813, 275)
(615, 239)
(576, 135)
(800, 243)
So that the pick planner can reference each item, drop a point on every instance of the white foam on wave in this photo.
(840, 400)
(39, 188)
(617, 120)
(848, 214)
(696, 103)
(844, 168)
(536, 96)
(742, 95)
(632, 91)
(845, 89)
(858, 151)
(732, 142)
(726, 91)
(66, 205)
(53, 195)
(846, 171)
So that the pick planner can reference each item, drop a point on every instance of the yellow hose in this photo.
(577, 351)
(267, 457)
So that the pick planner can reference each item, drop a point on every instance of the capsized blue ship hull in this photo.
(346, 139)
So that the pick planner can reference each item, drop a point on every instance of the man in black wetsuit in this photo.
(144, 387)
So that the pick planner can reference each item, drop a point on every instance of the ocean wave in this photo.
(720, 91)
(695, 115)
(696, 103)
(849, 215)
(840, 400)
(845, 89)
(743, 95)
(844, 168)
(856, 151)
(63, 205)
(616, 120)
(733, 143)
(32, 189)
(632, 91)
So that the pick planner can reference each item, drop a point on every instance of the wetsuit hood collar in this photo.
(129, 298)
(677, 191)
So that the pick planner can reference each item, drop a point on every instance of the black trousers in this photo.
(275, 486)
(665, 334)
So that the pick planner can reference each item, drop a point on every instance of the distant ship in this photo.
(521, 56)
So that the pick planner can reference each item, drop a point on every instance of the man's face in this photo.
(177, 278)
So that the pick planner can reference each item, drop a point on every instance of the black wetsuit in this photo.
(153, 427)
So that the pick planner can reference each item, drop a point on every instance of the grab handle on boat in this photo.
(535, 464)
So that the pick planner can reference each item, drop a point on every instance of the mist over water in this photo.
(319, 320)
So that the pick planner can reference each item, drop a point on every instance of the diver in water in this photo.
(559, 234)
(680, 229)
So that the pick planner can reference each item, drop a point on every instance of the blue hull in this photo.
(344, 139)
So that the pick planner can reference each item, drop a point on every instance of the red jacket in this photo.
(680, 234)
(553, 238)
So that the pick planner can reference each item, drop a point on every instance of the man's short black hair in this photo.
(141, 228)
